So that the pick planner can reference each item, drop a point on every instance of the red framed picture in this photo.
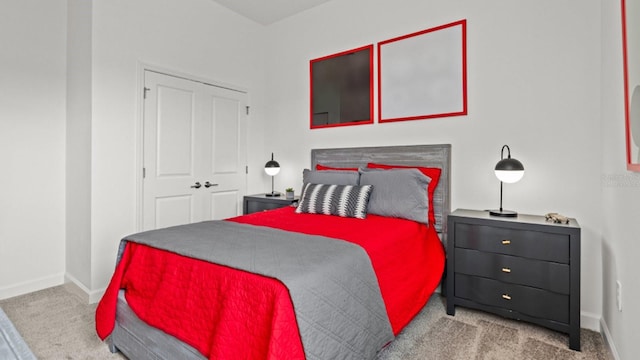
(423, 75)
(631, 69)
(342, 88)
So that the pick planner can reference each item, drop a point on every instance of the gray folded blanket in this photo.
(339, 316)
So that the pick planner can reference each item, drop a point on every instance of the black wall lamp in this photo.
(510, 171)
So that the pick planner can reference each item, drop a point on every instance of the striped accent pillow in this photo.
(340, 200)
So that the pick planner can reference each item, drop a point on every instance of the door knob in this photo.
(196, 186)
(208, 184)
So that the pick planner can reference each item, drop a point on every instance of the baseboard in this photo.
(590, 321)
(608, 340)
(31, 286)
(75, 286)
(96, 295)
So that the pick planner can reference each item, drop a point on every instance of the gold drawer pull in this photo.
(506, 297)
(506, 242)
(506, 270)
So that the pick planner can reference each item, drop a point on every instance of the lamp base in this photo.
(503, 213)
(273, 194)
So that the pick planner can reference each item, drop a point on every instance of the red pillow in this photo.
(322, 167)
(432, 173)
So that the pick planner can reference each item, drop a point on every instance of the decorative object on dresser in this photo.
(272, 168)
(289, 194)
(262, 202)
(556, 218)
(523, 268)
(510, 171)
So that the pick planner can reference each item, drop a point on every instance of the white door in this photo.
(194, 151)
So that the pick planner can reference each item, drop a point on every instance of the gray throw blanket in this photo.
(334, 290)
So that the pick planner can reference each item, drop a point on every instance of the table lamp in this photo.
(272, 168)
(510, 171)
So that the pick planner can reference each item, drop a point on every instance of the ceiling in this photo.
(269, 11)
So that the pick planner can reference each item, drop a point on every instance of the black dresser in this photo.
(523, 268)
(262, 202)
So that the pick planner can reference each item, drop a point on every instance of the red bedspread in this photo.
(228, 314)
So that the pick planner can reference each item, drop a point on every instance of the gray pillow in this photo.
(330, 177)
(400, 193)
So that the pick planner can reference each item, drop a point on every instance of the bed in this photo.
(340, 286)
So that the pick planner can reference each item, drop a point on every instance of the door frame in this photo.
(139, 135)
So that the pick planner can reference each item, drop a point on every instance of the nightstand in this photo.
(523, 268)
(261, 202)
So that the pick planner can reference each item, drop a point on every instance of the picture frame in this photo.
(631, 56)
(423, 75)
(342, 88)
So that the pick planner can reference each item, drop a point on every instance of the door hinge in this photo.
(144, 173)
(246, 169)
(144, 94)
(247, 110)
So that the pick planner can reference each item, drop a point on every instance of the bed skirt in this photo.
(148, 342)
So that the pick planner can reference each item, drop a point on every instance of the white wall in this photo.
(621, 193)
(194, 37)
(87, 184)
(534, 84)
(78, 151)
(32, 145)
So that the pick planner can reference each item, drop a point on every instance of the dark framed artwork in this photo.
(631, 69)
(423, 75)
(342, 88)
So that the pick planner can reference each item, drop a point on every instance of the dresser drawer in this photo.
(257, 206)
(516, 270)
(527, 243)
(522, 299)
(261, 202)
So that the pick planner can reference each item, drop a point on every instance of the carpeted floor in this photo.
(57, 324)
(477, 335)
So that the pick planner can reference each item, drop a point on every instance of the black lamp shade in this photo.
(509, 170)
(509, 165)
(272, 167)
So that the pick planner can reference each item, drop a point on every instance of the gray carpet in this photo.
(476, 335)
(57, 324)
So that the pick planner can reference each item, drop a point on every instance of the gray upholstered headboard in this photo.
(416, 155)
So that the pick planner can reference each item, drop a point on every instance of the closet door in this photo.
(224, 162)
(194, 151)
